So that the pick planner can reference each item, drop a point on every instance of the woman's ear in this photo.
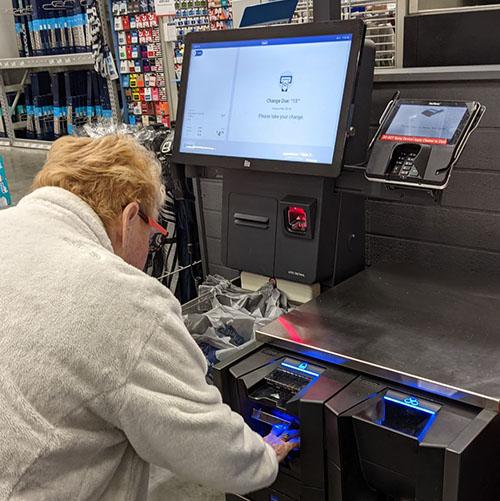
(119, 230)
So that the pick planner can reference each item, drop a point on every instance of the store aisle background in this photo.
(21, 166)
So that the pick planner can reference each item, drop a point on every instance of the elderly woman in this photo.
(99, 376)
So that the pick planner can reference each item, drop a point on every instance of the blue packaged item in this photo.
(5, 197)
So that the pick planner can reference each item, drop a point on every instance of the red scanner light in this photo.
(297, 220)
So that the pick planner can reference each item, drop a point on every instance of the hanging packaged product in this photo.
(141, 66)
(5, 197)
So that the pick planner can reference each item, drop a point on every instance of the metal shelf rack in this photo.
(65, 60)
(57, 62)
(384, 25)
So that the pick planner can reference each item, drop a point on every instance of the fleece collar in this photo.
(74, 211)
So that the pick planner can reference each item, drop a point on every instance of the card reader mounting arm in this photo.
(480, 111)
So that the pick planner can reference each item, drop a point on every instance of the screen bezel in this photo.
(354, 27)
(435, 104)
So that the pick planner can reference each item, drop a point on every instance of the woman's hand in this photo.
(283, 441)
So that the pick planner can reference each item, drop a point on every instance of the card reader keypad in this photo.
(404, 166)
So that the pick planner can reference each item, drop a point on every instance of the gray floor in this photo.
(21, 166)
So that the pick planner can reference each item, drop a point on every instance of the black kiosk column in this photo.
(275, 108)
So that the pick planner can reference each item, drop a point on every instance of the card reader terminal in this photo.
(418, 141)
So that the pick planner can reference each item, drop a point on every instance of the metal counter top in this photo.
(439, 334)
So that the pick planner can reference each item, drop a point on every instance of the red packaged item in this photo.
(125, 23)
(153, 19)
(148, 108)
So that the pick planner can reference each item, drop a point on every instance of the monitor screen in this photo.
(425, 123)
(271, 99)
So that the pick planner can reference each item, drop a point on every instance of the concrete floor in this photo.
(21, 166)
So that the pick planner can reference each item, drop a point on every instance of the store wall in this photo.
(460, 234)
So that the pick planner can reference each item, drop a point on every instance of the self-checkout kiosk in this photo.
(378, 420)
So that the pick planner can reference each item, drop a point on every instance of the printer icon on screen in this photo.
(285, 81)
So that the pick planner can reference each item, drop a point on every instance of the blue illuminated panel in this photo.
(411, 402)
(302, 367)
(408, 414)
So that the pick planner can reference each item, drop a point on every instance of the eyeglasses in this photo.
(159, 237)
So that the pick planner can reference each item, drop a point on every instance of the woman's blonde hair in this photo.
(108, 173)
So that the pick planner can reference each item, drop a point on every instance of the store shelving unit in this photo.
(58, 62)
(384, 27)
(303, 12)
(65, 60)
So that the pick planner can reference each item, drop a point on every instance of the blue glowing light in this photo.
(283, 415)
(410, 402)
(427, 427)
(300, 369)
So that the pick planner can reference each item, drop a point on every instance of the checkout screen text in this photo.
(276, 99)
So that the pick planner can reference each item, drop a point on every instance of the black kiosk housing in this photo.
(363, 438)
(284, 219)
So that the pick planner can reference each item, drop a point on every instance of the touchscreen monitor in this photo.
(257, 99)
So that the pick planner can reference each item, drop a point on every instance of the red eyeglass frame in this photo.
(153, 224)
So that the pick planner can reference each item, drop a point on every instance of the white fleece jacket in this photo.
(98, 375)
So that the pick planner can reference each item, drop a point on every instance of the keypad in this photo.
(404, 166)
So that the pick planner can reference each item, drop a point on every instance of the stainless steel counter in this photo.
(440, 334)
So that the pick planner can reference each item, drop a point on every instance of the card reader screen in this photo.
(420, 123)
(274, 99)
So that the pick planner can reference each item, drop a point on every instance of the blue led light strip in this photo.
(418, 407)
(305, 371)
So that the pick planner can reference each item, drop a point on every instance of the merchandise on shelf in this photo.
(5, 196)
(53, 104)
(141, 61)
(221, 15)
(51, 27)
(191, 15)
